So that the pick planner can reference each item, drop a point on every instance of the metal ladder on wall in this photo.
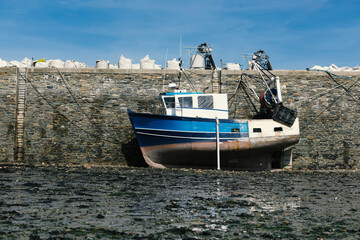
(216, 76)
(20, 117)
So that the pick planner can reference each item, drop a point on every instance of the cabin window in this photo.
(256, 130)
(206, 102)
(186, 102)
(278, 129)
(169, 102)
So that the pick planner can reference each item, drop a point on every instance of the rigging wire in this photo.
(163, 83)
(335, 75)
(191, 84)
(73, 97)
(317, 95)
(346, 90)
(341, 77)
(329, 106)
(249, 99)
(299, 103)
(83, 100)
(64, 116)
(250, 86)
(77, 103)
(331, 75)
(260, 70)
(235, 98)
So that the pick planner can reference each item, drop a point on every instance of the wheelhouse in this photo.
(195, 104)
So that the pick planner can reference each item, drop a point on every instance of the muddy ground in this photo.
(144, 203)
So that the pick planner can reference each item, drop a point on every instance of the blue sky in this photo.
(296, 34)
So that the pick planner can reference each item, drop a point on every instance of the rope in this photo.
(262, 74)
(63, 80)
(345, 89)
(317, 95)
(250, 86)
(329, 106)
(69, 90)
(335, 75)
(61, 114)
(340, 85)
(247, 97)
(191, 84)
(77, 103)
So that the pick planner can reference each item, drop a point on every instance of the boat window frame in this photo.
(206, 103)
(184, 104)
(167, 104)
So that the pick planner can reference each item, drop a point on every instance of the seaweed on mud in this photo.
(32, 184)
(144, 203)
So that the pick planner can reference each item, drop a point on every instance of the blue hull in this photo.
(153, 129)
(172, 141)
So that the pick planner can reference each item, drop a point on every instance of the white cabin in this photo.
(195, 104)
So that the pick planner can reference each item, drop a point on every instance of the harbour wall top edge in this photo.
(174, 71)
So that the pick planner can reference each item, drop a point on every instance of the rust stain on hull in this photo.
(247, 154)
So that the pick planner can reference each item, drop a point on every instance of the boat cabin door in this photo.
(169, 102)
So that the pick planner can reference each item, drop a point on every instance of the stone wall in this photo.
(329, 118)
(87, 121)
(8, 81)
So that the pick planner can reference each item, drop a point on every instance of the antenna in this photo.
(180, 48)
(166, 55)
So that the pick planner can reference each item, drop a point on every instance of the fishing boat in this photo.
(195, 131)
(186, 135)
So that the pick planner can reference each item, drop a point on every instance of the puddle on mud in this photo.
(144, 203)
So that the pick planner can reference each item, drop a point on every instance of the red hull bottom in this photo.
(235, 155)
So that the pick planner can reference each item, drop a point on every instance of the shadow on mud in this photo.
(132, 154)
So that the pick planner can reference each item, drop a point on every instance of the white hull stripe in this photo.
(169, 136)
(167, 130)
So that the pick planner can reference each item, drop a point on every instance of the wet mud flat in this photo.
(145, 203)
